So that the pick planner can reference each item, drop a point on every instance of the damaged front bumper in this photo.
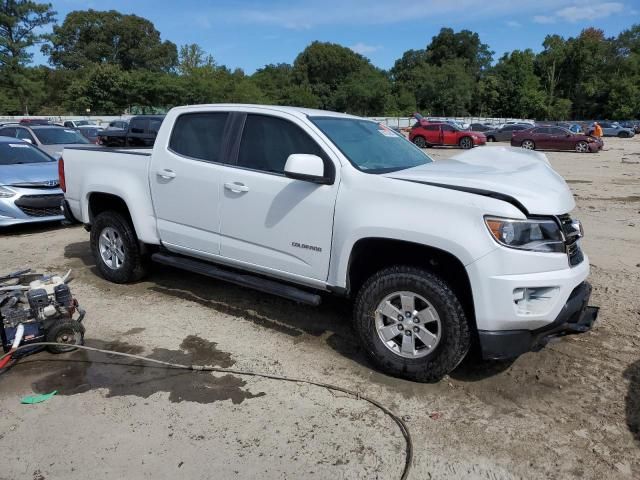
(575, 317)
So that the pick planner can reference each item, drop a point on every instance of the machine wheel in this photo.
(420, 142)
(528, 145)
(466, 143)
(116, 249)
(582, 147)
(411, 324)
(69, 332)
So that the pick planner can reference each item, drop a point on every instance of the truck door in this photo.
(269, 221)
(185, 178)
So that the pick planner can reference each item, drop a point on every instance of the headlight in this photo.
(537, 235)
(6, 193)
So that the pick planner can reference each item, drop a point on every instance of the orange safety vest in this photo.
(597, 131)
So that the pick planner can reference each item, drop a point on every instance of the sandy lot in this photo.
(570, 411)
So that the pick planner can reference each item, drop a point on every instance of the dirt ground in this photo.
(569, 411)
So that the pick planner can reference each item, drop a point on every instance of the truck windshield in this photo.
(19, 153)
(370, 146)
(59, 136)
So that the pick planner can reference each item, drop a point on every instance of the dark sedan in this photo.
(555, 138)
(504, 133)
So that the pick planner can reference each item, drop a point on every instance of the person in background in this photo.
(597, 130)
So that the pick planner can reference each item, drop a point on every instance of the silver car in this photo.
(50, 138)
(29, 189)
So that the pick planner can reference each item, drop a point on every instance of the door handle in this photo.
(166, 173)
(236, 187)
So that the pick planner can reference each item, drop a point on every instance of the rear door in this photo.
(432, 133)
(185, 180)
(270, 222)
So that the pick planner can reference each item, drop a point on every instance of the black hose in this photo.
(200, 368)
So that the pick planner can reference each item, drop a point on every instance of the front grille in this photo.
(41, 212)
(40, 205)
(574, 252)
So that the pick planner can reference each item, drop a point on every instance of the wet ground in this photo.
(569, 411)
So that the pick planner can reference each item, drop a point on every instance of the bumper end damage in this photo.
(576, 317)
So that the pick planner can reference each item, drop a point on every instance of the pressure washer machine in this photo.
(39, 308)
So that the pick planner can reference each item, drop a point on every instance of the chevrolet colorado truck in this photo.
(438, 256)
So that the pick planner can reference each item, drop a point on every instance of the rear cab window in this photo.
(199, 135)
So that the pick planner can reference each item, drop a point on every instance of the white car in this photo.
(296, 202)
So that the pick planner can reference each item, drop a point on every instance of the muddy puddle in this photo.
(83, 371)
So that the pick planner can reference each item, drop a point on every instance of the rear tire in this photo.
(491, 139)
(116, 249)
(447, 340)
(528, 145)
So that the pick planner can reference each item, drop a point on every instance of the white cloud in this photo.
(581, 12)
(544, 19)
(513, 24)
(363, 48)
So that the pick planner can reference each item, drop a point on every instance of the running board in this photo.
(242, 279)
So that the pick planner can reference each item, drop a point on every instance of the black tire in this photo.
(466, 143)
(419, 141)
(528, 144)
(70, 332)
(134, 266)
(491, 139)
(455, 337)
(623, 135)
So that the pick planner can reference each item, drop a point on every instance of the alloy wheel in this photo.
(111, 248)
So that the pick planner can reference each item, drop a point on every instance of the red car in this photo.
(427, 134)
(555, 138)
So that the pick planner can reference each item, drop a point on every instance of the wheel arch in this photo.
(372, 254)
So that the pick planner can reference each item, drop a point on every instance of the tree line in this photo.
(107, 63)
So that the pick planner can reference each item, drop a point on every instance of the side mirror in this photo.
(310, 168)
(28, 140)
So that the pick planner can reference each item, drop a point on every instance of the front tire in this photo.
(582, 147)
(466, 143)
(411, 324)
(491, 139)
(420, 142)
(116, 249)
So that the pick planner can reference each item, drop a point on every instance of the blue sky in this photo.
(251, 33)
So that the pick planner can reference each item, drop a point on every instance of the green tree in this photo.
(104, 90)
(192, 57)
(93, 37)
(20, 25)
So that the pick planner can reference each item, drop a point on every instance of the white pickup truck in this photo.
(438, 256)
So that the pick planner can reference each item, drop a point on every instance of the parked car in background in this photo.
(428, 134)
(504, 133)
(29, 188)
(35, 121)
(480, 127)
(141, 132)
(50, 138)
(613, 129)
(554, 138)
(78, 123)
(118, 125)
(90, 132)
(631, 125)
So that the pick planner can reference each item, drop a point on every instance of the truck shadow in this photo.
(632, 400)
(330, 322)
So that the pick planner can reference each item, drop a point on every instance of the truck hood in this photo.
(521, 177)
(30, 174)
